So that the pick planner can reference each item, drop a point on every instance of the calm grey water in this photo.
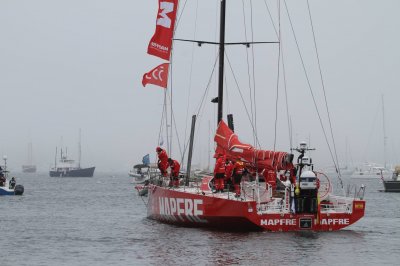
(101, 221)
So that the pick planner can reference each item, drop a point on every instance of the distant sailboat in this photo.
(29, 167)
(375, 170)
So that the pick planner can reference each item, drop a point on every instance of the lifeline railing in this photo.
(337, 204)
(357, 193)
(276, 205)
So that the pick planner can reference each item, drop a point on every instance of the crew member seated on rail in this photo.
(219, 173)
(174, 177)
(162, 161)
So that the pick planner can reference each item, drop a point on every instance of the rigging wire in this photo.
(283, 72)
(241, 96)
(270, 16)
(323, 89)
(161, 124)
(201, 105)
(190, 74)
(226, 94)
(169, 141)
(286, 100)
(170, 129)
(278, 76)
(254, 75)
(309, 84)
(248, 73)
(177, 135)
(180, 15)
(166, 119)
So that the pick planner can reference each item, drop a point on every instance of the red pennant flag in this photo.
(160, 43)
(157, 76)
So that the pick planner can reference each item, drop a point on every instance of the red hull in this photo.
(204, 209)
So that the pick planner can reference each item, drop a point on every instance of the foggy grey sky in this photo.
(66, 65)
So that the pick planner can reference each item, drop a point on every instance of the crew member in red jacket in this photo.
(162, 161)
(228, 174)
(219, 173)
(175, 167)
(238, 169)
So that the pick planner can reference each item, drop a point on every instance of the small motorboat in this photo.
(8, 187)
(143, 172)
(392, 185)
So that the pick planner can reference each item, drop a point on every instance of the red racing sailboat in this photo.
(273, 194)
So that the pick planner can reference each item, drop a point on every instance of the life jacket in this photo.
(238, 168)
(163, 156)
(219, 166)
(228, 170)
(175, 167)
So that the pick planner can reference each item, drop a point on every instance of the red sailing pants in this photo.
(237, 178)
(219, 181)
(163, 165)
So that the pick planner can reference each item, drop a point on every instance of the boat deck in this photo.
(278, 203)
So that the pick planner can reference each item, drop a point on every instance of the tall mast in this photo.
(30, 153)
(79, 150)
(221, 60)
(384, 133)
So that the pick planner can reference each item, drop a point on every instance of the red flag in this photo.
(157, 76)
(160, 43)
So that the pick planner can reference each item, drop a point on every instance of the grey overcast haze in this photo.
(78, 64)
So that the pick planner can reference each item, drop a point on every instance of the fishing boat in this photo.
(66, 167)
(8, 187)
(276, 194)
(392, 185)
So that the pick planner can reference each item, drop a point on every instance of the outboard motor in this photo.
(19, 190)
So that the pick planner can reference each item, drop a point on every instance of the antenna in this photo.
(55, 160)
(5, 166)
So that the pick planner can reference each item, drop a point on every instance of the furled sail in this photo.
(160, 43)
(228, 144)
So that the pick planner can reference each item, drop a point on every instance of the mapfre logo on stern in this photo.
(278, 222)
(335, 221)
